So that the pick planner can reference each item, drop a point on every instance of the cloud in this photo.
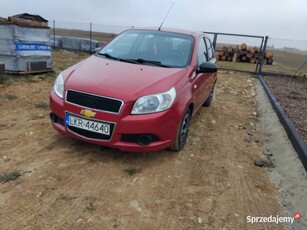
(274, 18)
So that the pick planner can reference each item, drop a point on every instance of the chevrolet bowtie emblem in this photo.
(87, 113)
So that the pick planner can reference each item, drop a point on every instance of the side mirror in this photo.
(207, 67)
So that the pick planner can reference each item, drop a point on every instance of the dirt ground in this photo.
(292, 95)
(51, 181)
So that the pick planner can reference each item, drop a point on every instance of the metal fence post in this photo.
(262, 55)
(214, 40)
(261, 47)
(54, 35)
(90, 37)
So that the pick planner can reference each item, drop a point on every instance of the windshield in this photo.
(148, 47)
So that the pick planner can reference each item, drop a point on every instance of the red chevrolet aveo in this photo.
(139, 92)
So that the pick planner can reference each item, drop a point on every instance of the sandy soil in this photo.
(62, 183)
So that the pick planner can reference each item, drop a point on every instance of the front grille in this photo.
(94, 101)
(92, 135)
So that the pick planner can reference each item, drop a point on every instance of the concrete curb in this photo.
(296, 140)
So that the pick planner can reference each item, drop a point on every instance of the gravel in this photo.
(292, 95)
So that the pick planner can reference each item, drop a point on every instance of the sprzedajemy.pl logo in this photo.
(273, 219)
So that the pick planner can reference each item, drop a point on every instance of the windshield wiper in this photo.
(134, 61)
(107, 55)
(144, 61)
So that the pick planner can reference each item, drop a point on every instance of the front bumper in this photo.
(132, 133)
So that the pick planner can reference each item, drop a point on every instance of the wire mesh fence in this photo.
(289, 57)
(239, 52)
(82, 36)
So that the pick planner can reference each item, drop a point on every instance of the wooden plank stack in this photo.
(243, 53)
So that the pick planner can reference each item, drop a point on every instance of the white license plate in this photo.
(89, 125)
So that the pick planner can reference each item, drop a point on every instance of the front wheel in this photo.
(182, 132)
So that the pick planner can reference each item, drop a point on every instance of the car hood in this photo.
(121, 80)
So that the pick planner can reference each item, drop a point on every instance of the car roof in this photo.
(173, 30)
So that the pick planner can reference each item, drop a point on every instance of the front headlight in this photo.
(58, 86)
(154, 103)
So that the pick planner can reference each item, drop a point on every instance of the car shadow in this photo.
(80, 149)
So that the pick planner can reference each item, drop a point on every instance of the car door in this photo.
(200, 89)
(211, 58)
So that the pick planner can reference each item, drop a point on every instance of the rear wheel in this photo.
(182, 132)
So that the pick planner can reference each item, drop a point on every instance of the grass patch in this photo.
(28, 79)
(62, 67)
(132, 171)
(9, 96)
(11, 176)
(42, 105)
(8, 79)
(4, 79)
(48, 75)
(237, 66)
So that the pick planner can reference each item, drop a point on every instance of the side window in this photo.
(202, 52)
(209, 48)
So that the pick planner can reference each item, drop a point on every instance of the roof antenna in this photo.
(166, 15)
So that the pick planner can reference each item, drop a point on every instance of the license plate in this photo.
(89, 125)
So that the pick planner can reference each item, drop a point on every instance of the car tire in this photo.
(208, 101)
(182, 131)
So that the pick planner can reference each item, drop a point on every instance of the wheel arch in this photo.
(191, 107)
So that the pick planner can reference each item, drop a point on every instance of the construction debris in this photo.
(25, 45)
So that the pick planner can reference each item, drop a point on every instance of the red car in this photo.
(139, 92)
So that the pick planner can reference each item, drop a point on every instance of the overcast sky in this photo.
(284, 19)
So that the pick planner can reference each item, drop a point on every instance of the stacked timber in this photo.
(243, 53)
